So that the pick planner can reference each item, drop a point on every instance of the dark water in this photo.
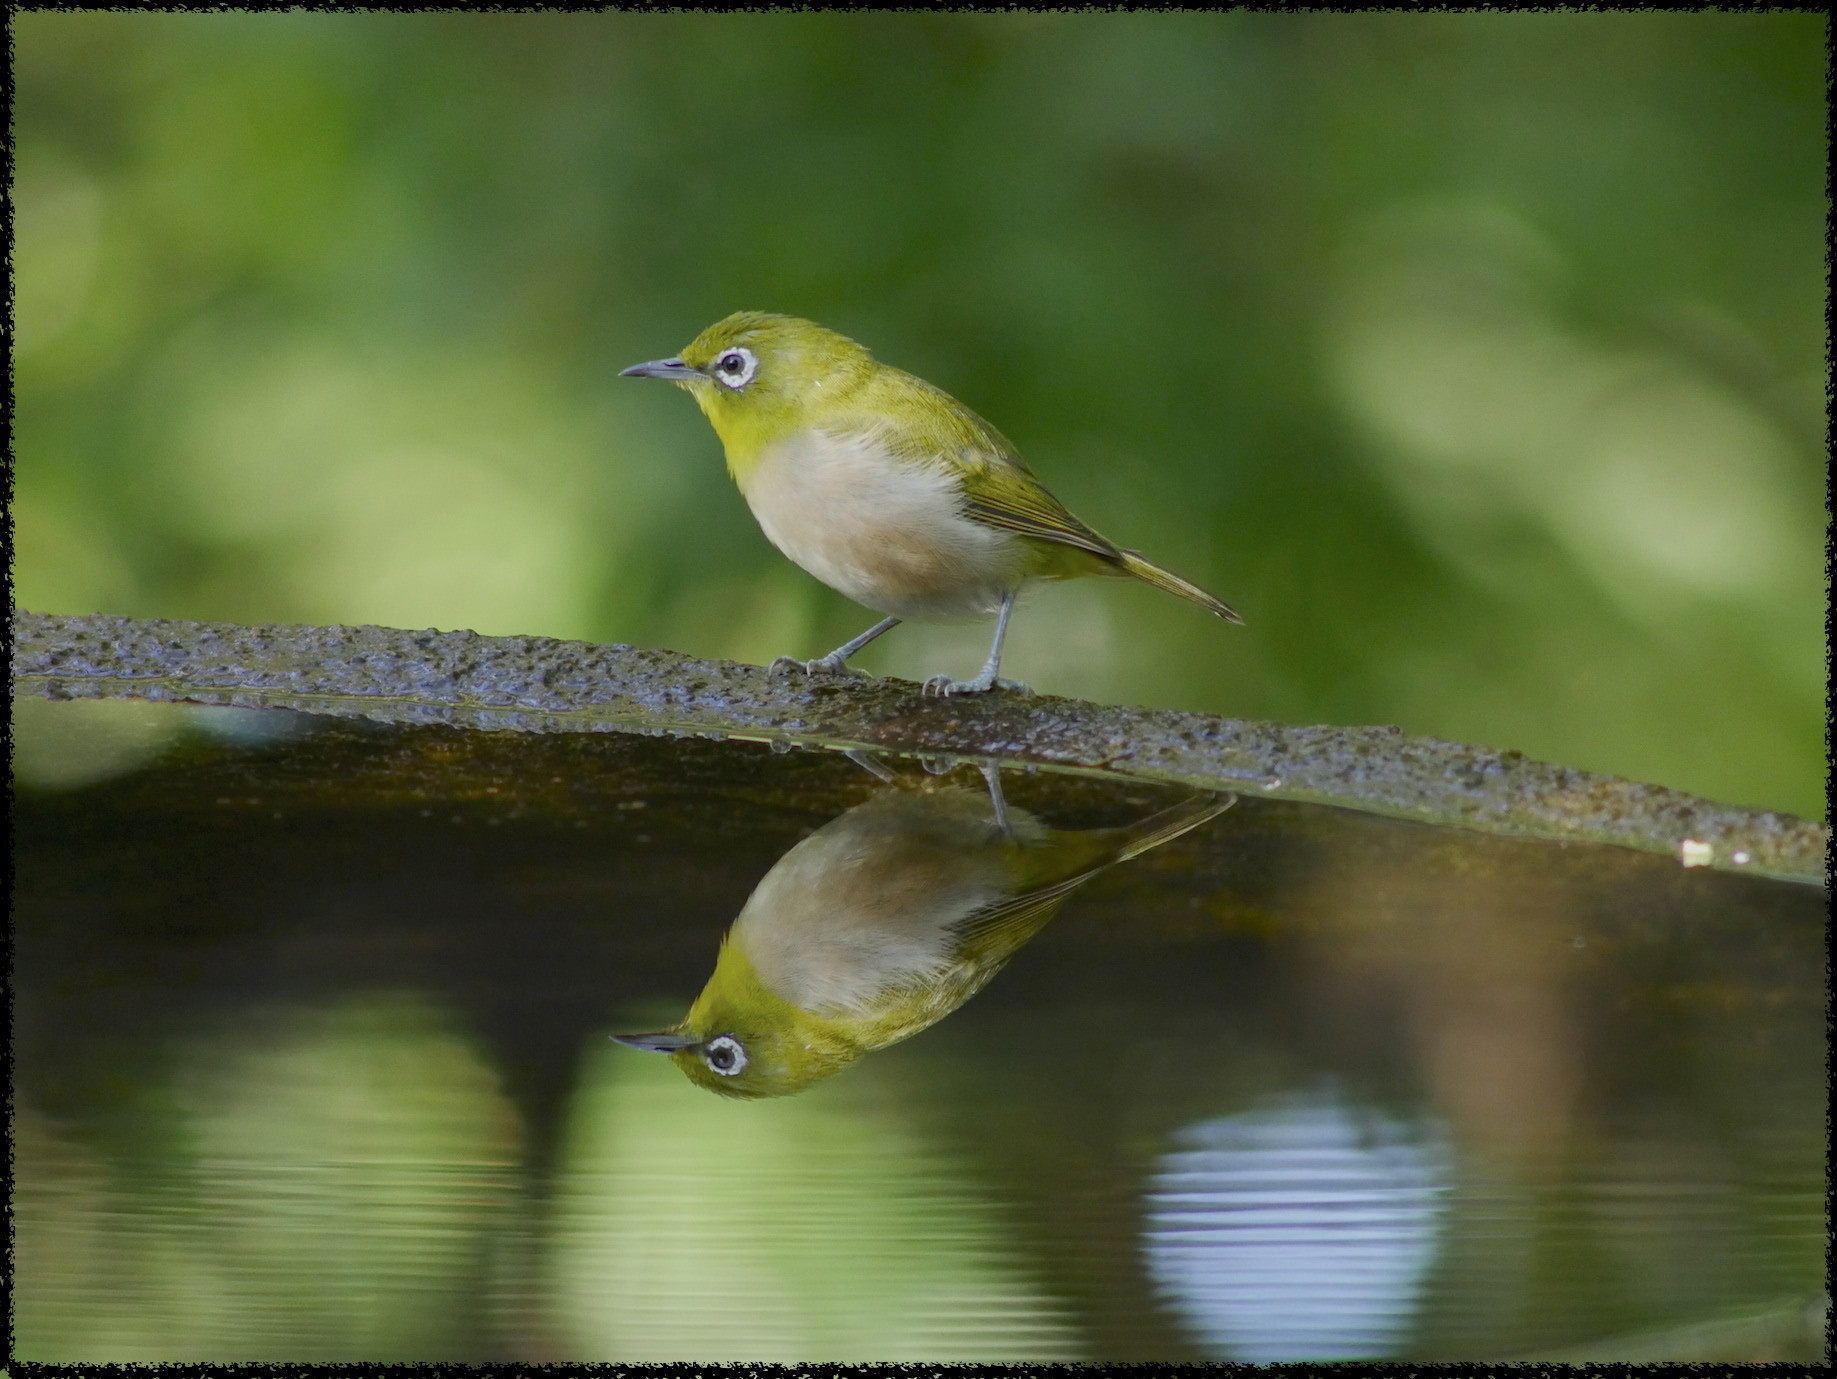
(312, 1063)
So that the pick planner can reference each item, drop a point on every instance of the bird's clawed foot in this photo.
(943, 684)
(823, 665)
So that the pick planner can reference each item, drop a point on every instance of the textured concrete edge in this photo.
(537, 684)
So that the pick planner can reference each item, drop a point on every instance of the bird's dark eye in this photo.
(724, 1054)
(736, 367)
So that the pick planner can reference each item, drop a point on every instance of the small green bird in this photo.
(881, 923)
(885, 488)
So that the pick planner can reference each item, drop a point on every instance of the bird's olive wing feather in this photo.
(1002, 928)
(933, 428)
(1005, 925)
(1014, 500)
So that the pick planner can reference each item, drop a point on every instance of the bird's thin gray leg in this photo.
(835, 663)
(986, 678)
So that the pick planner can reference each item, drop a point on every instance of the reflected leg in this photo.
(991, 775)
(867, 762)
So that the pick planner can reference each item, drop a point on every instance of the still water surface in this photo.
(313, 1063)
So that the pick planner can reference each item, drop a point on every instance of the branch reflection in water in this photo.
(883, 922)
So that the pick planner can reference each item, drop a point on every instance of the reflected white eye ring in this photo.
(730, 1051)
(735, 367)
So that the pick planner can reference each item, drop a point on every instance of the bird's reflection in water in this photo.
(881, 923)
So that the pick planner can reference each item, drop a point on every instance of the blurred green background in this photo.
(1476, 358)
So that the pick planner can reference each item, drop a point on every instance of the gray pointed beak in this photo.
(664, 1041)
(673, 369)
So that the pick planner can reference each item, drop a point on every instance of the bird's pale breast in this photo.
(872, 904)
(887, 532)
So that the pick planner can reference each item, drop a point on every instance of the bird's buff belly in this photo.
(890, 536)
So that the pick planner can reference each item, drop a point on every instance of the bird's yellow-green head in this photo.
(759, 376)
(742, 1040)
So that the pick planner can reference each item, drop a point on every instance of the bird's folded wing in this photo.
(998, 489)
(1003, 927)
(1000, 493)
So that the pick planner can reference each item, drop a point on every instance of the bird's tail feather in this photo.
(1150, 573)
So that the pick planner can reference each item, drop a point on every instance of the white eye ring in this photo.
(732, 1053)
(735, 367)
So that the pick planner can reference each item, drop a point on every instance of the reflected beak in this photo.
(673, 369)
(664, 1041)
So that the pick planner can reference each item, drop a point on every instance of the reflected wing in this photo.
(1003, 927)
(999, 930)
